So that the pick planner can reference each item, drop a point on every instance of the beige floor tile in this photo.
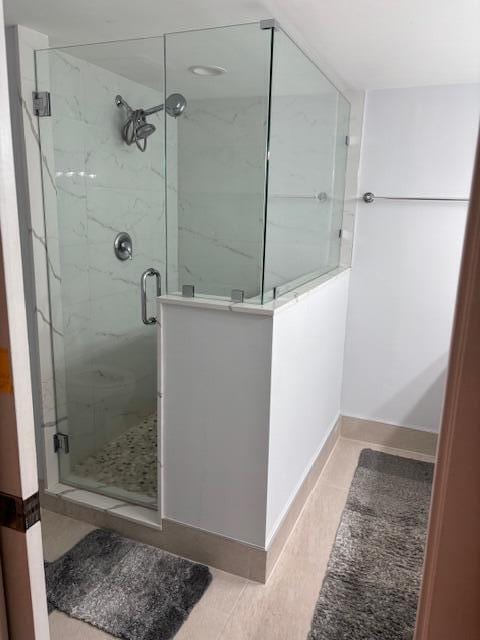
(210, 615)
(283, 608)
(234, 608)
(315, 532)
(223, 592)
(64, 628)
(205, 622)
(342, 463)
(61, 533)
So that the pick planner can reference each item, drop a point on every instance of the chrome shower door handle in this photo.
(143, 287)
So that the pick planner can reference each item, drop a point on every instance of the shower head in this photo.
(137, 129)
(144, 129)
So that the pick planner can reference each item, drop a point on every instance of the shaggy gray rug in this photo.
(371, 587)
(126, 588)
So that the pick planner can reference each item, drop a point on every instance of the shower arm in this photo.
(120, 102)
(152, 110)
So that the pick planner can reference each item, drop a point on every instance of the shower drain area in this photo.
(127, 463)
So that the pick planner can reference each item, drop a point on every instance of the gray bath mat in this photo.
(126, 588)
(371, 587)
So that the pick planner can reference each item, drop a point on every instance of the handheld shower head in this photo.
(145, 129)
(136, 129)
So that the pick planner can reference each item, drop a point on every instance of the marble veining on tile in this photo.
(95, 186)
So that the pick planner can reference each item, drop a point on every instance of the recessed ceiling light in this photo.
(206, 71)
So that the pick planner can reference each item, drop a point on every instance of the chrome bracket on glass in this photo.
(237, 295)
(188, 291)
(143, 286)
(122, 246)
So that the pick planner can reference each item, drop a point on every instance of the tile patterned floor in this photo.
(127, 462)
(234, 608)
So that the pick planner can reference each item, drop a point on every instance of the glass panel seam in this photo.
(267, 163)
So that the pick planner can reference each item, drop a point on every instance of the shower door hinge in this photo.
(61, 442)
(347, 140)
(41, 104)
(18, 513)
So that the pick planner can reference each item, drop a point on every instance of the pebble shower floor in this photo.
(128, 462)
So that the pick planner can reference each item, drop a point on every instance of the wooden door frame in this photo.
(450, 598)
(3, 609)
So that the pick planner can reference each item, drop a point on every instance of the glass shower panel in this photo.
(216, 155)
(97, 186)
(306, 176)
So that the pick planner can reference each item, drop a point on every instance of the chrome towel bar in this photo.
(370, 197)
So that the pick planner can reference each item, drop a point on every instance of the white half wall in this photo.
(416, 142)
(307, 366)
(216, 391)
(250, 395)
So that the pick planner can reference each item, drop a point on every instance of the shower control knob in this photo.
(122, 246)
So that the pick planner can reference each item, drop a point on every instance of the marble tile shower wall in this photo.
(221, 169)
(102, 187)
(221, 164)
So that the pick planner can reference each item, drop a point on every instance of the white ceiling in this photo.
(359, 43)
(243, 50)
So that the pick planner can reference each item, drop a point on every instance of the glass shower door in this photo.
(103, 180)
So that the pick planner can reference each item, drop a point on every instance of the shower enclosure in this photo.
(214, 160)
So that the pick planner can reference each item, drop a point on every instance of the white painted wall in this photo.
(216, 388)
(249, 399)
(416, 142)
(306, 385)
